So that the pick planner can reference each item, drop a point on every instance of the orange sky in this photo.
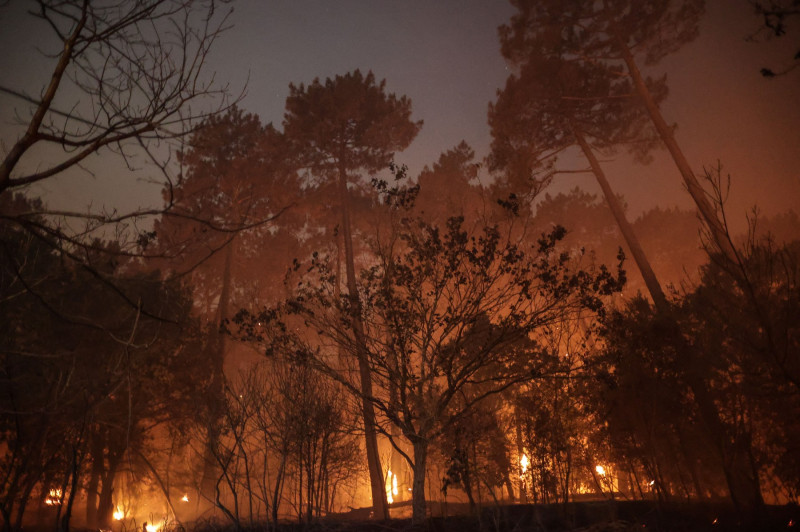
(445, 56)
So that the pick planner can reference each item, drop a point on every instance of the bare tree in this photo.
(128, 78)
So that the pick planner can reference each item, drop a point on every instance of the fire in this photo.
(524, 463)
(185, 498)
(152, 527)
(119, 514)
(600, 470)
(391, 486)
(53, 497)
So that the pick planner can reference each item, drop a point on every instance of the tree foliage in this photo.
(450, 317)
(85, 377)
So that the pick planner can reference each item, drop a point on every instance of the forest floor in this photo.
(588, 516)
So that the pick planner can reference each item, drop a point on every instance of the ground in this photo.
(595, 516)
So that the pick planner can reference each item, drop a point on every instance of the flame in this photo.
(185, 498)
(119, 514)
(53, 497)
(600, 470)
(524, 463)
(152, 527)
(391, 486)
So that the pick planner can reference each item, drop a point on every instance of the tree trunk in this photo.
(418, 505)
(650, 280)
(718, 232)
(72, 489)
(94, 480)
(742, 481)
(105, 508)
(277, 494)
(208, 482)
(379, 505)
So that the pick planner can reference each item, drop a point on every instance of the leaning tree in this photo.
(612, 37)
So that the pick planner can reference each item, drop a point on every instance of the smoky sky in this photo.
(445, 57)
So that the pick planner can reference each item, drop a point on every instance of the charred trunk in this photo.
(105, 509)
(419, 509)
(93, 487)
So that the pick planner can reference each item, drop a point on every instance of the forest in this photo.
(302, 328)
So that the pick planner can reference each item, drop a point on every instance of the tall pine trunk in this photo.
(650, 280)
(717, 230)
(379, 503)
(217, 346)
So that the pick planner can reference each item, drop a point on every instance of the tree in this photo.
(747, 313)
(236, 181)
(85, 378)
(348, 125)
(450, 188)
(644, 395)
(128, 79)
(556, 103)
(450, 317)
(609, 36)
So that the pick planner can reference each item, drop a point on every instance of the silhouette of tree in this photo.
(556, 103)
(608, 37)
(447, 316)
(128, 78)
(450, 188)
(237, 180)
(84, 376)
(345, 126)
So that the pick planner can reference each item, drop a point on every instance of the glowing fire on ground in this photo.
(185, 498)
(119, 514)
(391, 486)
(152, 527)
(53, 497)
